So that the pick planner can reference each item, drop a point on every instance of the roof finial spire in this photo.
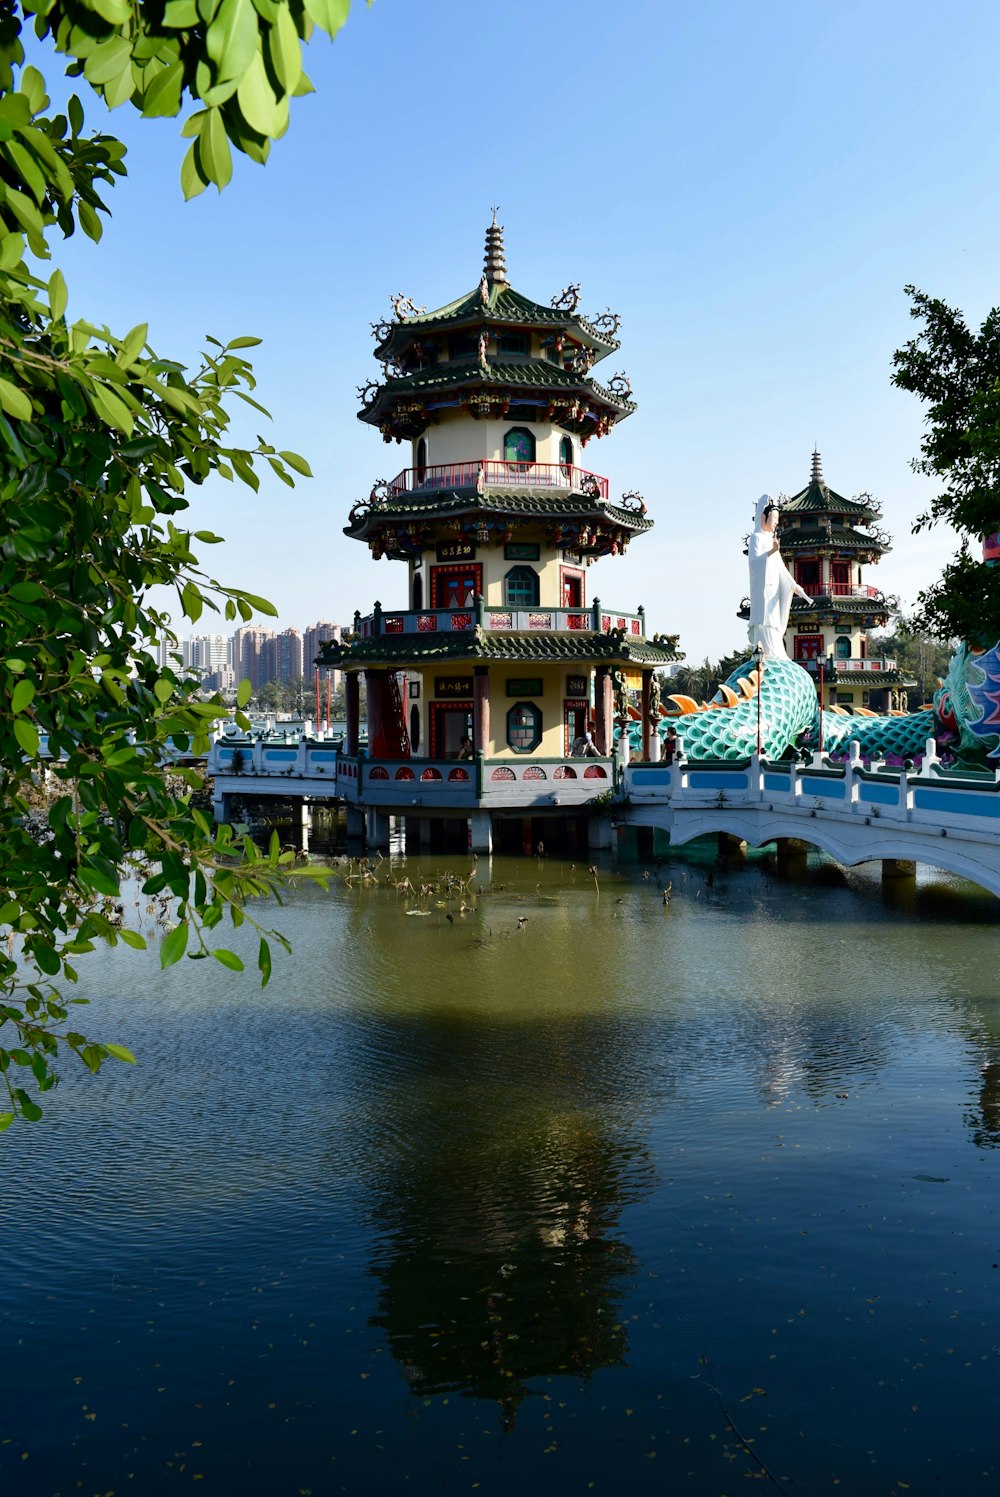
(817, 468)
(495, 266)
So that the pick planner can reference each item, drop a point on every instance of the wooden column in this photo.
(645, 701)
(481, 710)
(604, 733)
(352, 703)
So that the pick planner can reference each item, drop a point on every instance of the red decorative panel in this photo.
(539, 621)
(405, 774)
(502, 774)
(501, 621)
(577, 621)
(431, 774)
(534, 773)
(456, 775)
(595, 772)
(392, 624)
(605, 622)
(620, 624)
(461, 621)
(636, 628)
(427, 623)
(564, 772)
(379, 773)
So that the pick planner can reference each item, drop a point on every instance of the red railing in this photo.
(493, 473)
(853, 590)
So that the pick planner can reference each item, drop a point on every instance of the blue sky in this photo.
(751, 187)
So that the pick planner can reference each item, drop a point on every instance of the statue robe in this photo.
(771, 588)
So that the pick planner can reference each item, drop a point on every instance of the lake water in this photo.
(576, 1191)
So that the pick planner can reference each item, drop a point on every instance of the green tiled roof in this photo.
(487, 645)
(819, 498)
(503, 305)
(536, 374)
(849, 607)
(529, 503)
(842, 537)
(873, 679)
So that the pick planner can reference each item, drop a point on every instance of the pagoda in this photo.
(499, 659)
(826, 541)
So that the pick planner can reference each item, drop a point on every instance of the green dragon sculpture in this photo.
(784, 717)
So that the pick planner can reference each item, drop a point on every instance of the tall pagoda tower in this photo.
(498, 655)
(827, 541)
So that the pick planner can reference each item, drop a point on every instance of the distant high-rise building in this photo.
(288, 655)
(253, 655)
(313, 637)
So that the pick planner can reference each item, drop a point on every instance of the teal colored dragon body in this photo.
(784, 717)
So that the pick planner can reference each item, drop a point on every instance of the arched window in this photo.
(843, 647)
(519, 445)
(566, 451)
(520, 588)
(418, 591)
(524, 727)
(421, 463)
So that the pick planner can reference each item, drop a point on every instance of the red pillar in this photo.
(481, 710)
(604, 733)
(645, 702)
(352, 710)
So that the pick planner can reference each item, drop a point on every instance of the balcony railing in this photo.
(873, 666)
(852, 590)
(493, 473)
(502, 619)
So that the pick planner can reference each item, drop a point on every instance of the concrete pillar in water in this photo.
(305, 821)
(894, 868)
(730, 846)
(355, 824)
(792, 850)
(600, 833)
(377, 830)
(480, 832)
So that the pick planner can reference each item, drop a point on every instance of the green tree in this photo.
(100, 439)
(956, 372)
(918, 653)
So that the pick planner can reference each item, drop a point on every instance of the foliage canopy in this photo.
(100, 439)
(956, 372)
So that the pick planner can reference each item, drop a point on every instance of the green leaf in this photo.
(193, 181)
(6, 1118)
(57, 295)
(27, 736)
(107, 61)
(11, 251)
(259, 104)
(243, 343)
(228, 959)
(119, 1052)
(175, 945)
(264, 963)
(29, 1110)
(215, 157)
(132, 938)
(163, 96)
(298, 463)
(111, 408)
(22, 696)
(231, 42)
(14, 401)
(46, 957)
(285, 51)
(244, 692)
(329, 15)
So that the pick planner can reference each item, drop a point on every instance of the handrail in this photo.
(493, 473)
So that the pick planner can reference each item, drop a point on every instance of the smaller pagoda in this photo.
(826, 541)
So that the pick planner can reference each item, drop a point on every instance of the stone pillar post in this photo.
(603, 711)
(481, 710)
(352, 703)
(645, 703)
(480, 832)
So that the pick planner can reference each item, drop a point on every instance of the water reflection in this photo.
(498, 1202)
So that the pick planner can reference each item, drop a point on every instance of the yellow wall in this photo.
(551, 702)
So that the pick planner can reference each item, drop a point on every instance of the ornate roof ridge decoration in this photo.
(516, 645)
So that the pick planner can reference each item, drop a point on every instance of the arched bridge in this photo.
(855, 813)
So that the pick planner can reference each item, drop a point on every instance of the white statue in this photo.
(771, 583)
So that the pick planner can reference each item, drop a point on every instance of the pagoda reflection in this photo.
(498, 1188)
